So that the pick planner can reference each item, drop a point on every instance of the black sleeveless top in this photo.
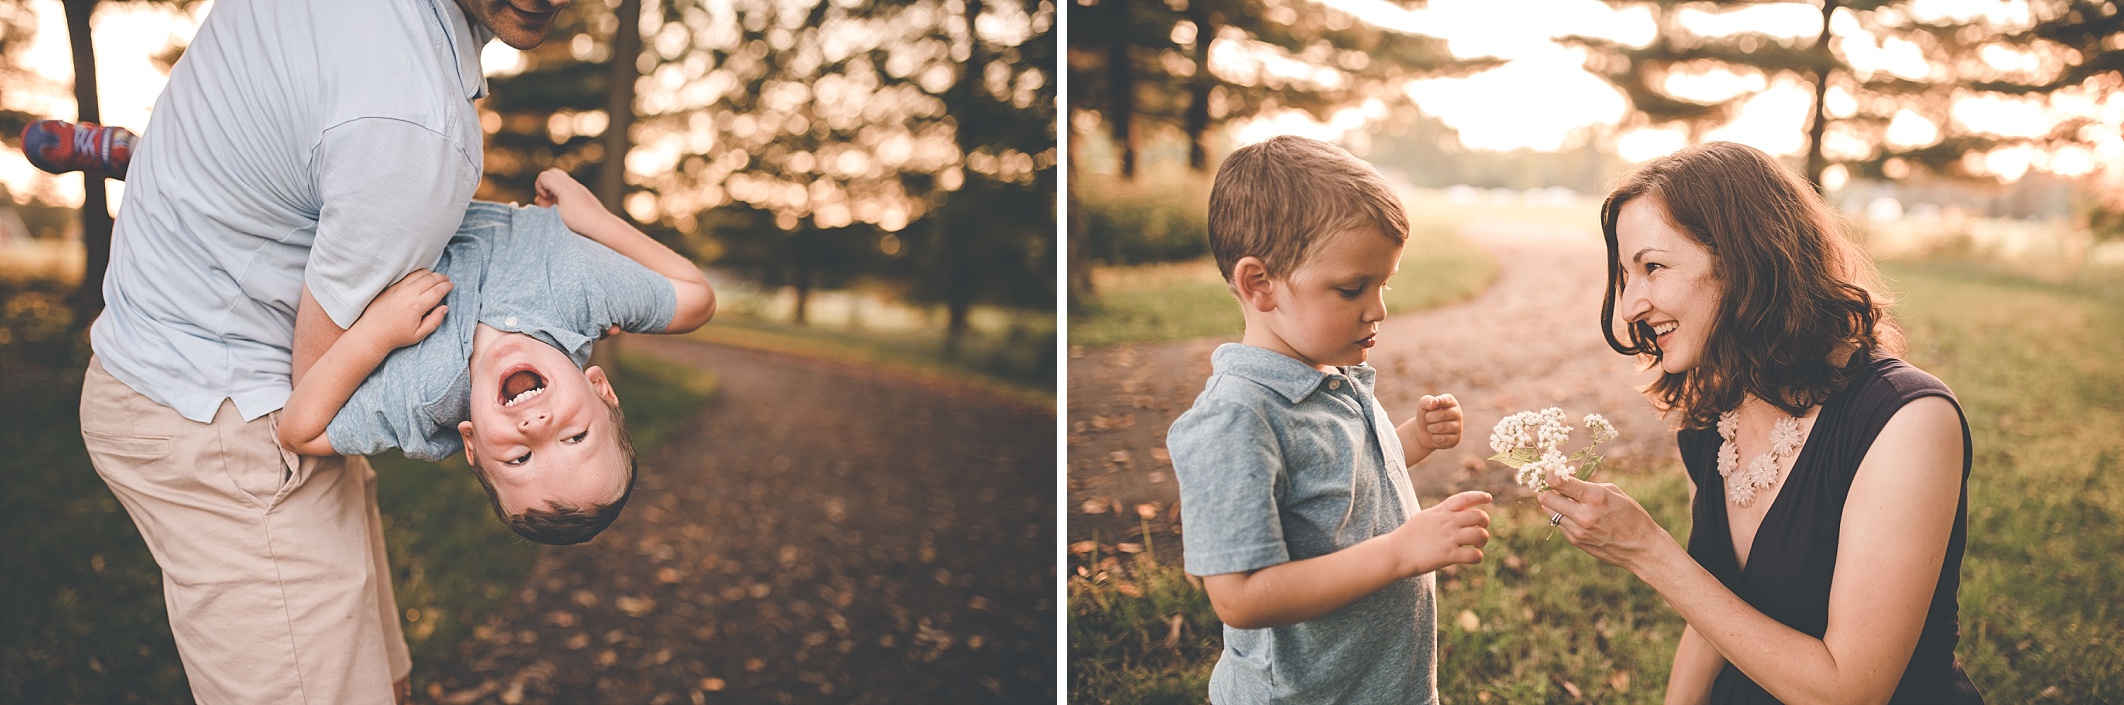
(1793, 561)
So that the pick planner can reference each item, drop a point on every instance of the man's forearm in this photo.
(314, 334)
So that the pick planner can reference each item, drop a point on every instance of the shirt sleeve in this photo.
(1228, 463)
(631, 296)
(363, 425)
(391, 193)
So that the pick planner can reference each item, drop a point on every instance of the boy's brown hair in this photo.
(1794, 288)
(1274, 200)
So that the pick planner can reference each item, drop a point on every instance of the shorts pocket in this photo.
(139, 448)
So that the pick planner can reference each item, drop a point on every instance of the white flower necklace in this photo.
(1785, 441)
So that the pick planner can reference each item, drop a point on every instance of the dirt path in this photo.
(1530, 341)
(821, 533)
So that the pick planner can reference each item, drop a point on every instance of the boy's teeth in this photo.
(528, 393)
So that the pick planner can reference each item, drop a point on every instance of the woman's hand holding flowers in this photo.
(1606, 522)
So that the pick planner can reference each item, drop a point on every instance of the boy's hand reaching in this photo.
(1450, 532)
(407, 312)
(579, 209)
(1438, 425)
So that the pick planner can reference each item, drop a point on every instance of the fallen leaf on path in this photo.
(472, 695)
(578, 641)
(1161, 455)
(1119, 457)
(669, 575)
(713, 685)
(1620, 681)
(755, 665)
(1469, 622)
(1129, 547)
(1572, 688)
(1172, 632)
(635, 606)
(607, 657)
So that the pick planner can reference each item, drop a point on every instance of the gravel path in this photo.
(820, 533)
(1530, 341)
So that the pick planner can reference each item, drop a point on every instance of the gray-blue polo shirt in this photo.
(319, 142)
(1280, 462)
(514, 269)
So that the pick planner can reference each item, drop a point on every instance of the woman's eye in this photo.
(1349, 293)
(1651, 267)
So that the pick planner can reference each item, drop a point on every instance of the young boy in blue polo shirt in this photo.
(1294, 486)
(505, 381)
(487, 354)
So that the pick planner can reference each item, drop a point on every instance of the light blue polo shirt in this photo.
(1280, 462)
(514, 269)
(324, 142)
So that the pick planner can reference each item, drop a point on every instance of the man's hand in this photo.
(579, 208)
(1438, 426)
(407, 312)
(1450, 532)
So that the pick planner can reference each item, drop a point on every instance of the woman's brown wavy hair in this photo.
(1795, 289)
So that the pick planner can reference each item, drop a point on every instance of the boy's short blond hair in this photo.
(1274, 200)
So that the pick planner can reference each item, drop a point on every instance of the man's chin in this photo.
(523, 38)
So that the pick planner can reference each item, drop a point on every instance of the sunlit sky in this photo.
(1541, 99)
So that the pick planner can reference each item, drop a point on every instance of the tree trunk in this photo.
(1121, 84)
(95, 206)
(1824, 63)
(617, 141)
(803, 296)
(619, 106)
(1198, 109)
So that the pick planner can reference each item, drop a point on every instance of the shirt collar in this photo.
(466, 40)
(1293, 379)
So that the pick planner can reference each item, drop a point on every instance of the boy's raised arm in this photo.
(402, 315)
(580, 211)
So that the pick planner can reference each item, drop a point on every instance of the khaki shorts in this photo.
(272, 564)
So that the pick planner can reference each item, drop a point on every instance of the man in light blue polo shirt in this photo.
(305, 155)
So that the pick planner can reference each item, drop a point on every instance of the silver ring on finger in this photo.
(1556, 519)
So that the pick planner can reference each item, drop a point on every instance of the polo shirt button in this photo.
(511, 321)
(1334, 384)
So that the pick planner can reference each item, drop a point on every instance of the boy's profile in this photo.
(1294, 486)
(487, 353)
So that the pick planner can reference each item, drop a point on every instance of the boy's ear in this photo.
(1251, 282)
(464, 430)
(601, 385)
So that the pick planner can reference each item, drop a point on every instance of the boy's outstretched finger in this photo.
(1464, 500)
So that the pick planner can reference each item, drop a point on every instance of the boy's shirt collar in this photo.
(1293, 379)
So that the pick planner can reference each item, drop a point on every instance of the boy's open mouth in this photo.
(520, 386)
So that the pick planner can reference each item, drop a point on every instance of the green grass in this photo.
(81, 611)
(2036, 366)
(1182, 300)
(1018, 363)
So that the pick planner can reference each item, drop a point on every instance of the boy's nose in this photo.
(538, 419)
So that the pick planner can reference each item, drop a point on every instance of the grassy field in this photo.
(1181, 300)
(1019, 364)
(81, 610)
(2035, 365)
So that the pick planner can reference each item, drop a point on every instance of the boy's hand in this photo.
(407, 312)
(579, 209)
(1439, 427)
(1451, 532)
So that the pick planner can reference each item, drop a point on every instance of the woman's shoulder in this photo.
(1895, 382)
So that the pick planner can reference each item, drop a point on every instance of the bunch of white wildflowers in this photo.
(1531, 442)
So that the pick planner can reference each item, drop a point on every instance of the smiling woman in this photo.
(1827, 570)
